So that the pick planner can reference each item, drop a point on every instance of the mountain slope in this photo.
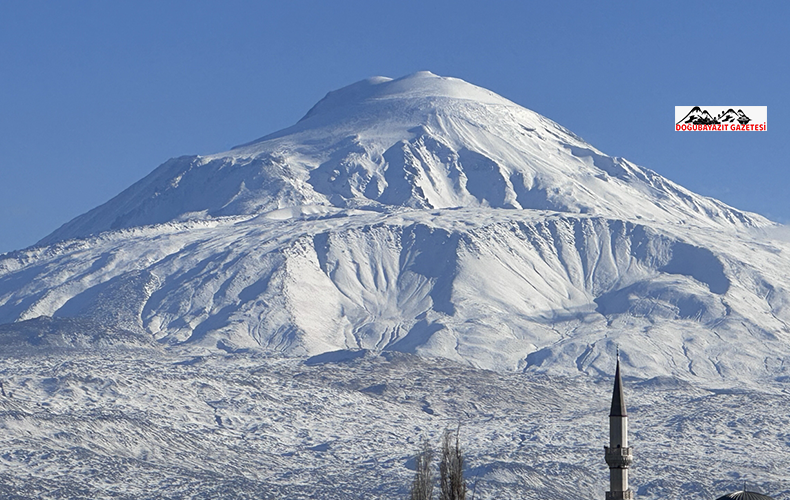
(499, 289)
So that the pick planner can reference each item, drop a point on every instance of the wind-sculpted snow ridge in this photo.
(421, 141)
(103, 424)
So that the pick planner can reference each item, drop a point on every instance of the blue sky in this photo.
(95, 95)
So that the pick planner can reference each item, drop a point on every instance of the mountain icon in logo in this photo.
(698, 116)
(730, 116)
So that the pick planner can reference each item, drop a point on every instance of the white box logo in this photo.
(721, 118)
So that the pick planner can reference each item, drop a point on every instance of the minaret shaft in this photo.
(618, 481)
(618, 432)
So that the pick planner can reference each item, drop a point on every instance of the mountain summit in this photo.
(421, 141)
(425, 215)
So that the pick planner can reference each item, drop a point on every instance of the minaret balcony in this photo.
(620, 495)
(619, 458)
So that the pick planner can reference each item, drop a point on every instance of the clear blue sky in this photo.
(95, 95)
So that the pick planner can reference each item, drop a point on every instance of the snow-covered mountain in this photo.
(431, 216)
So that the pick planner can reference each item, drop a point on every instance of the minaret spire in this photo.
(618, 398)
(618, 454)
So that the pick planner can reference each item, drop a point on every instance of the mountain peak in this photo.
(420, 85)
(421, 141)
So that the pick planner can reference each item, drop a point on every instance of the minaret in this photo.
(618, 454)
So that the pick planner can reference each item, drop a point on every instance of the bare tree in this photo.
(422, 487)
(451, 468)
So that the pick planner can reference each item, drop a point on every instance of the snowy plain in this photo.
(159, 423)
